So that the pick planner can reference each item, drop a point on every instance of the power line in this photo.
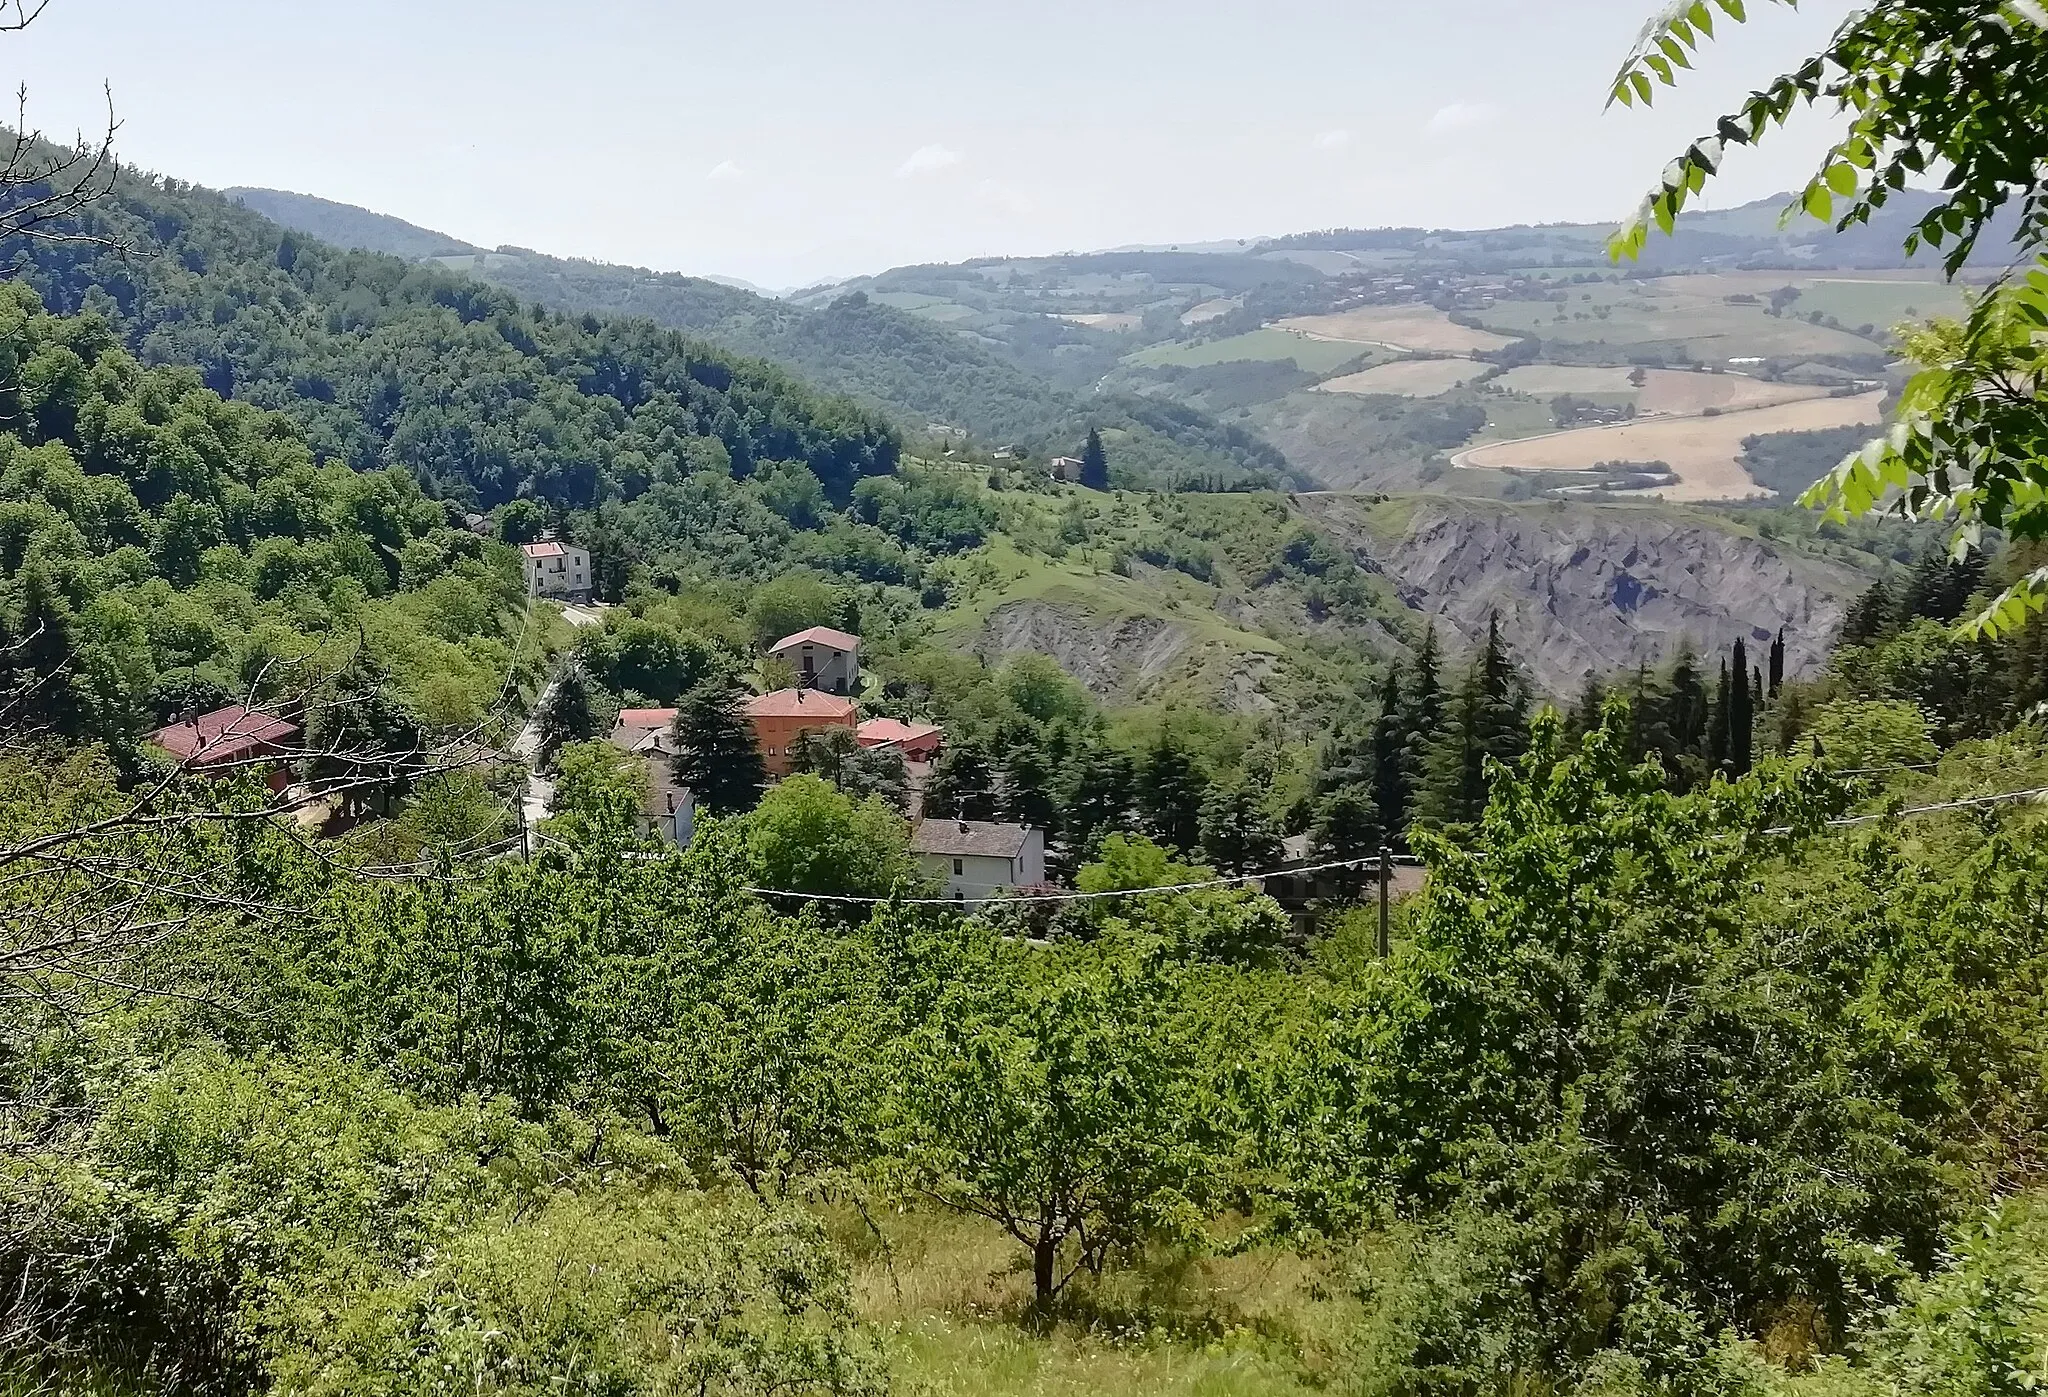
(1408, 860)
(1968, 802)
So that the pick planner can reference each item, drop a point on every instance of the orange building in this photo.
(781, 718)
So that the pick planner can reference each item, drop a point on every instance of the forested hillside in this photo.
(893, 362)
(384, 362)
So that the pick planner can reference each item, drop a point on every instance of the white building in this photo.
(555, 569)
(823, 659)
(976, 860)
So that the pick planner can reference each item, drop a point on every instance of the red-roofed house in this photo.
(555, 569)
(230, 739)
(781, 718)
(918, 742)
(822, 658)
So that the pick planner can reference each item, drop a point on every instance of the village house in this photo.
(822, 658)
(918, 742)
(669, 810)
(555, 569)
(976, 860)
(780, 720)
(229, 740)
(1066, 468)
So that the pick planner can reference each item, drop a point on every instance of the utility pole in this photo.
(1386, 881)
(519, 804)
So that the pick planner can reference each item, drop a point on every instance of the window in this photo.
(957, 869)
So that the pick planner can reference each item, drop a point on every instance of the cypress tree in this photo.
(715, 755)
(1719, 744)
(1778, 662)
(1742, 714)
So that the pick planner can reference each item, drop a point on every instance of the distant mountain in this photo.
(1748, 236)
(347, 226)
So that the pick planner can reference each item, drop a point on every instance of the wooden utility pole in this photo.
(1386, 882)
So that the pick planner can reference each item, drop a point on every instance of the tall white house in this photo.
(824, 659)
(976, 860)
(555, 569)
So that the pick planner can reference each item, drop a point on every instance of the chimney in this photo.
(963, 826)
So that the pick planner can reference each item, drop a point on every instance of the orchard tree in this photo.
(1060, 1095)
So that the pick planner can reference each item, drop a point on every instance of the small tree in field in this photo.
(1063, 1099)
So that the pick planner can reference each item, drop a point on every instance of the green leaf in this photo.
(1841, 179)
(1819, 202)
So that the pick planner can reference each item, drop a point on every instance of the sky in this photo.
(795, 141)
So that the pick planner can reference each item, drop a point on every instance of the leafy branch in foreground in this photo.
(1959, 86)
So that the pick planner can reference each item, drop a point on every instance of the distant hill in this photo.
(347, 226)
(919, 371)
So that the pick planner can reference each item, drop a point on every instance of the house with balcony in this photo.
(822, 659)
(555, 569)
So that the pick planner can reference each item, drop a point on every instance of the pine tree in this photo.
(1586, 713)
(1424, 714)
(1778, 662)
(1393, 782)
(1871, 616)
(1489, 718)
(1026, 795)
(1171, 789)
(1101, 798)
(1347, 827)
(1742, 715)
(715, 755)
(1094, 463)
(567, 714)
(1237, 836)
(962, 786)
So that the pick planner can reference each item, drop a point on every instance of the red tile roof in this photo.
(799, 703)
(224, 735)
(542, 550)
(646, 717)
(817, 635)
(888, 732)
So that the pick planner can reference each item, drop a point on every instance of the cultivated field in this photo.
(1693, 311)
(1410, 378)
(1549, 380)
(1319, 356)
(1704, 452)
(1207, 310)
(1676, 392)
(1402, 327)
(1117, 321)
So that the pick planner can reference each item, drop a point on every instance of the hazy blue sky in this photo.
(794, 141)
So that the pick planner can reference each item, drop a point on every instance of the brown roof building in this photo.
(781, 718)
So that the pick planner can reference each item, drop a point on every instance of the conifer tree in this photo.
(1871, 616)
(1742, 714)
(1489, 717)
(1424, 710)
(962, 786)
(1171, 789)
(568, 714)
(1719, 743)
(1094, 463)
(1100, 800)
(1393, 780)
(1026, 794)
(1237, 835)
(1778, 662)
(715, 755)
